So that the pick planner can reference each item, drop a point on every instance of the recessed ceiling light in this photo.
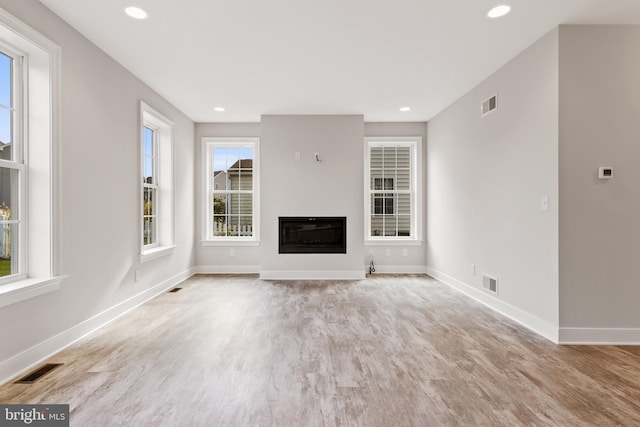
(499, 11)
(136, 12)
(219, 109)
(405, 109)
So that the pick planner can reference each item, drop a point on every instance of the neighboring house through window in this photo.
(157, 184)
(230, 173)
(392, 197)
(29, 175)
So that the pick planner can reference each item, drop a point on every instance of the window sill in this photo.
(155, 253)
(25, 289)
(231, 242)
(394, 242)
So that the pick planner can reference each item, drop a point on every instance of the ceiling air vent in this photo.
(490, 284)
(489, 105)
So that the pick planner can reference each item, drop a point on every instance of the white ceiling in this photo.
(366, 57)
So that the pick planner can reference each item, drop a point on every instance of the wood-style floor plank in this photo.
(391, 350)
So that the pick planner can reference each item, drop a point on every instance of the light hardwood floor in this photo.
(391, 350)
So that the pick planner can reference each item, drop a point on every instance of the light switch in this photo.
(296, 155)
(544, 203)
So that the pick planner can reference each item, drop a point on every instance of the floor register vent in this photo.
(490, 284)
(38, 373)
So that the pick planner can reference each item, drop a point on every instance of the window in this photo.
(231, 176)
(150, 186)
(29, 176)
(392, 196)
(12, 167)
(157, 184)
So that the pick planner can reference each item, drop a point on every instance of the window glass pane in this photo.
(220, 225)
(389, 158)
(245, 203)
(220, 180)
(8, 194)
(376, 226)
(148, 155)
(390, 226)
(234, 204)
(220, 204)
(6, 132)
(376, 158)
(149, 234)
(246, 226)
(403, 179)
(232, 228)
(388, 184)
(389, 205)
(377, 203)
(403, 157)
(245, 178)
(404, 204)
(8, 249)
(149, 196)
(404, 225)
(6, 63)
(149, 231)
(376, 180)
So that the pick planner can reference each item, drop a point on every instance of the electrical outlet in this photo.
(388, 252)
(232, 252)
(405, 252)
(296, 155)
(136, 276)
(473, 269)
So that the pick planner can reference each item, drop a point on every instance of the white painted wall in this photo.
(599, 220)
(332, 187)
(219, 259)
(396, 261)
(100, 178)
(486, 177)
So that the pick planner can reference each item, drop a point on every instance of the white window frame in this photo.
(18, 162)
(38, 131)
(208, 143)
(415, 190)
(151, 186)
(164, 208)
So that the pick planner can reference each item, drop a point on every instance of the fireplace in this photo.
(312, 235)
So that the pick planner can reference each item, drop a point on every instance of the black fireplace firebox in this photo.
(312, 235)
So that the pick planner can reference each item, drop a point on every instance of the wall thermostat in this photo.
(605, 172)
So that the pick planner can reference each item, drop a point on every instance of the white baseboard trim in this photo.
(29, 358)
(227, 269)
(399, 269)
(528, 320)
(600, 336)
(312, 275)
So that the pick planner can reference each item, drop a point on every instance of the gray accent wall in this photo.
(486, 177)
(599, 219)
(305, 187)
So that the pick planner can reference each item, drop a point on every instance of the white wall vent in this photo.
(489, 105)
(490, 284)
